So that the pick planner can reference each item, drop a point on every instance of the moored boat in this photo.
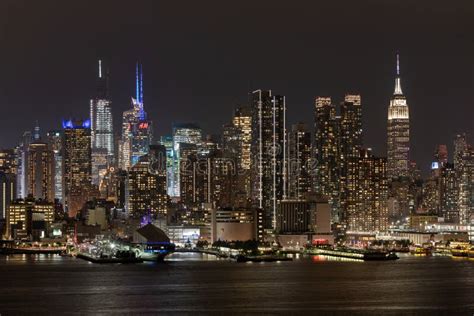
(360, 254)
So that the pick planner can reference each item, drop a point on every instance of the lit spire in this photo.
(37, 134)
(137, 85)
(141, 83)
(100, 68)
(398, 85)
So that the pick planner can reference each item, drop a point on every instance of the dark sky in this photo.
(200, 59)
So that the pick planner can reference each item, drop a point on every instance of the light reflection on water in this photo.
(201, 283)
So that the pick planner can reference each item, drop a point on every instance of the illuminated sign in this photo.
(143, 125)
(434, 165)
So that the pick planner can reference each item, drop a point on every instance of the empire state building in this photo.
(398, 132)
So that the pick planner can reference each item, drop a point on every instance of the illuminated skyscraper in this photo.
(147, 184)
(465, 175)
(8, 185)
(448, 193)
(460, 147)
(182, 134)
(242, 121)
(464, 172)
(327, 152)
(167, 141)
(7, 191)
(55, 141)
(269, 152)
(102, 137)
(77, 164)
(398, 132)
(137, 130)
(236, 146)
(41, 171)
(351, 126)
(350, 143)
(300, 167)
(367, 193)
(8, 161)
(22, 164)
(190, 191)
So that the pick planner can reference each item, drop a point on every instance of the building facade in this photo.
(301, 166)
(398, 132)
(77, 164)
(269, 152)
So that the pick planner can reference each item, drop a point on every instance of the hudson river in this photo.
(193, 283)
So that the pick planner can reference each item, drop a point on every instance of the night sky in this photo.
(201, 58)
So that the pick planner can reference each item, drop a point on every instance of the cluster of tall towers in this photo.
(258, 161)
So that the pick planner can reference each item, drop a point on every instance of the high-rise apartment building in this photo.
(367, 193)
(77, 164)
(7, 191)
(182, 134)
(22, 164)
(147, 191)
(41, 171)
(300, 163)
(269, 152)
(327, 152)
(55, 141)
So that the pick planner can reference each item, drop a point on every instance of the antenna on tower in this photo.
(137, 94)
(398, 64)
(398, 85)
(100, 68)
(141, 83)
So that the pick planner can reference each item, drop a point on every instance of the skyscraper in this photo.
(182, 134)
(8, 161)
(269, 152)
(55, 141)
(77, 164)
(351, 126)
(41, 171)
(7, 191)
(242, 121)
(465, 173)
(22, 164)
(236, 146)
(367, 193)
(8, 185)
(102, 138)
(147, 184)
(448, 193)
(398, 131)
(190, 191)
(300, 166)
(350, 145)
(137, 130)
(327, 153)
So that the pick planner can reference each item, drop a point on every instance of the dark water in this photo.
(194, 284)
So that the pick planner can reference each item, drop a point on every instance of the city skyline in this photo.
(174, 89)
(246, 157)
